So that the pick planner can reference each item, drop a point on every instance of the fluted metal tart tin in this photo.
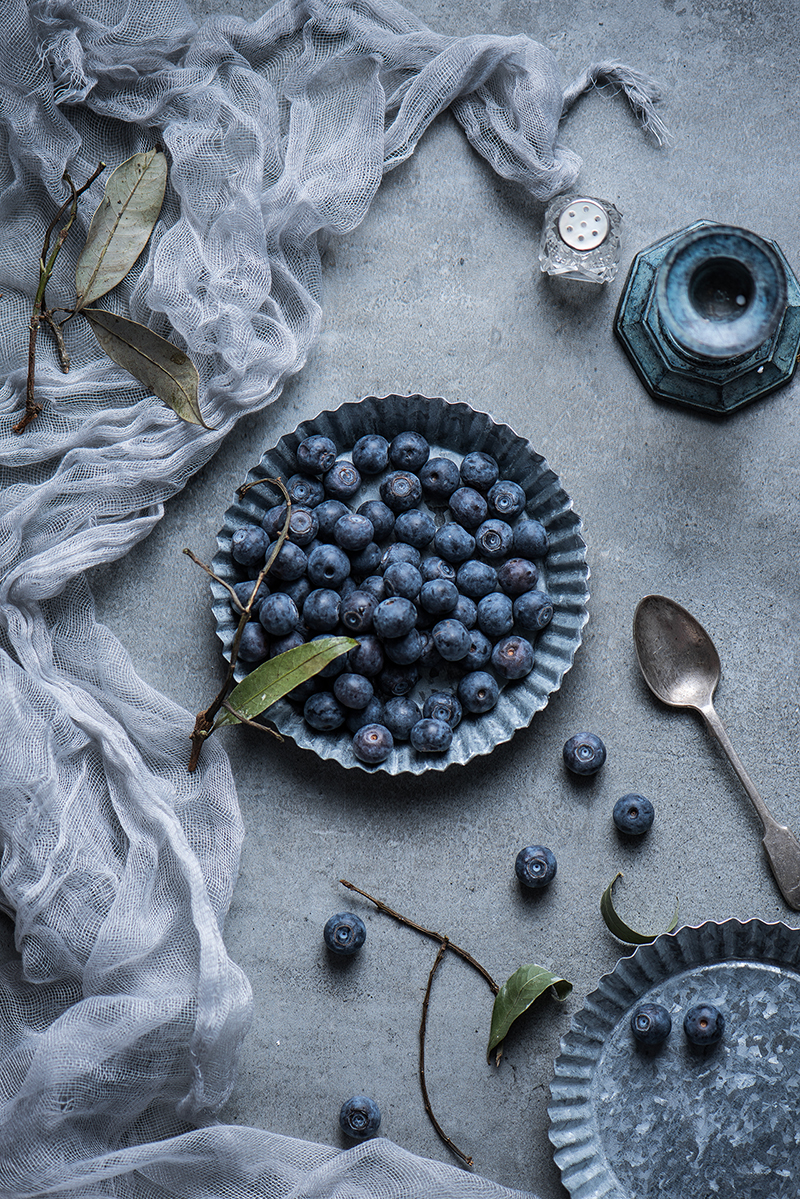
(681, 1121)
(452, 429)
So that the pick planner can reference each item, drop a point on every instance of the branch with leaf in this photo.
(118, 233)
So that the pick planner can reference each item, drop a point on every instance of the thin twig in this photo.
(204, 722)
(426, 932)
(262, 728)
(422, 1028)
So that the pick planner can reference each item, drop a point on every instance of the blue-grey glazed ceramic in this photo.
(452, 429)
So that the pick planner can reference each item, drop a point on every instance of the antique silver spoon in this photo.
(681, 667)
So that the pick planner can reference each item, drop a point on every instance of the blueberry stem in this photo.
(422, 1027)
(204, 722)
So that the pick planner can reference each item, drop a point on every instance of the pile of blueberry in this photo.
(436, 578)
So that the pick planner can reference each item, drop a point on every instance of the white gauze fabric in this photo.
(121, 1015)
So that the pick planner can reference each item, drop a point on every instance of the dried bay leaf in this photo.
(616, 925)
(517, 994)
(158, 364)
(275, 678)
(121, 225)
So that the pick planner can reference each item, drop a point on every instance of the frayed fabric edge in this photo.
(643, 94)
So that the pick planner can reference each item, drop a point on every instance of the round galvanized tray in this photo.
(632, 1123)
(452, 429)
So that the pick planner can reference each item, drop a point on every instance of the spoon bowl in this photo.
(681, 666)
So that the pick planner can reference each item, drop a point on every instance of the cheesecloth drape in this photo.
(121, 1015)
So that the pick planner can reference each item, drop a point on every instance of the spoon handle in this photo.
(716, 726)
(780, 844)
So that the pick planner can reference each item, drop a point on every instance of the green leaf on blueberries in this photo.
(121, 225)
(515, 997)
(616, 925)
(275, 678)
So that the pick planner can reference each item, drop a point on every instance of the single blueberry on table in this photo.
(372, 744)
(371, 454)
(533, 611)
(380, 515)
(342, 481)
(400, 714)
(493, 538)
(468, 507)
(584, 753)
(409, 451)
(478, 691)
(305, 491)
(512, 657)
(249, 545)
(431, 736)
(401, 490)
(439, 478)
(633, 814)
(453, 543)
(353, 532)
(316, 454)
(651, 1024)
(535, 866)
(415, 527)
(360, 1117)
(278, 614)
(479, 470)
(344, 933)
(506, 499)
(704, 1024)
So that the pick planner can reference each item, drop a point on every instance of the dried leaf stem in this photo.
(204, 722)
(40, 312)
(444, 944)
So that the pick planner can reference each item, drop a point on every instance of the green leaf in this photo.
(272, 680)
(616, 925)
(121, 226)
(163, 369)
(516, 996)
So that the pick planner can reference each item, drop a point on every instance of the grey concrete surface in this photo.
(439, 291)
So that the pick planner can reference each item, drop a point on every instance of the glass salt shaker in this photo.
(580, 239)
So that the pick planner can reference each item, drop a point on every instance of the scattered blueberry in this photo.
(633, 814)
(360, 1117)
(344, 933)
(372, 744)
(535, 866)
(400, 551)
(404, 650)
(651, 1024)
(512, 657)
(478, 691)
(466, 610)
(704, 1024)
(533, 611)
(436, 568)
(479, 652)
(584, 753)
(291, 562)
(366, 560)
(243, 593)
(373, 714)
(367, 657)
(303, 526)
